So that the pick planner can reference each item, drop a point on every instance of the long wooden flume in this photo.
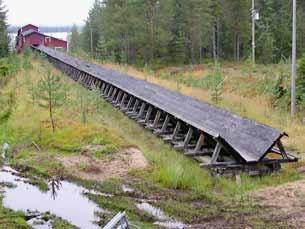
(219, 140)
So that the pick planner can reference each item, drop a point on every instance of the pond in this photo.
(64, 199)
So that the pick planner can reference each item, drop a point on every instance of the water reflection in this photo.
(64, 199)
(55, 185)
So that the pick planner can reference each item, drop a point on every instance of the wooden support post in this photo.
(148, 114)
(165, 124)
(282, 149)
(100, 84)
(176, 131)
(114, 93)
(103, 88)
(118, 97)
(216, 153)
(87, 80)
(110, 91)
(94, 82)
(157, 118)
(123, 100)
(188, 137)
(107, 88)
(91, 79)
(129, 102)
(135, 107)
(81, 80)
(200, 143)
(142, 110)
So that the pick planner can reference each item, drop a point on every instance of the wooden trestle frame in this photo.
(211, 151)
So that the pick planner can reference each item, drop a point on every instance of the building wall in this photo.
(55, 43)
(34, 39)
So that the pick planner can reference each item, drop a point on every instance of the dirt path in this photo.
(286, 202)
(112, 166)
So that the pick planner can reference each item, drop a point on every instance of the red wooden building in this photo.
(30, 35)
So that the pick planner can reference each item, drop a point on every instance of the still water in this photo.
(68, 202)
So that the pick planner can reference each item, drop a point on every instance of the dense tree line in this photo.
(188, 31)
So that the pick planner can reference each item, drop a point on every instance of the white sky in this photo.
(47, 12)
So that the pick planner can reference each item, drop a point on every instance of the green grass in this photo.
(10, 219)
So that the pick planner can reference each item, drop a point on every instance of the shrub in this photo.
(216, 88)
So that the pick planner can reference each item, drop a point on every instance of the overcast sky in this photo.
(47, 12)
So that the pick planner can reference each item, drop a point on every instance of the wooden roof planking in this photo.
(249, 139)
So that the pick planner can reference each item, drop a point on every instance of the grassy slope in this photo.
(185, 190)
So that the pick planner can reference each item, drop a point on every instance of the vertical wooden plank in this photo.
(157, 118)
(282, 149)
(165, 124)
(114, 93)
(107, 88)
(118, 97)
(176, 131)
(123, 100)
(130, 102)
(142, 110)
(110, 91)
(200, 143)
(103, 87)
(148, 114)
(135, 107)
(216, 153)
(188, 137)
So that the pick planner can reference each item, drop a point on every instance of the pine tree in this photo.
(101, 49)
(216, 87)
(51, 94)
(178, 42)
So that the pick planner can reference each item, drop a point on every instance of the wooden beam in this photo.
(106, 89)
(165, 124)
(110, 91)
(118, 97)
(177, 129)
(142, 110)
(188, 137)
(199, 143)
(148, 114)
(123, 100)
(157, 118)
(129, 102)
(135, 107)
(114, 93)
(282, 149)
(216, 153)
(103, 87)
